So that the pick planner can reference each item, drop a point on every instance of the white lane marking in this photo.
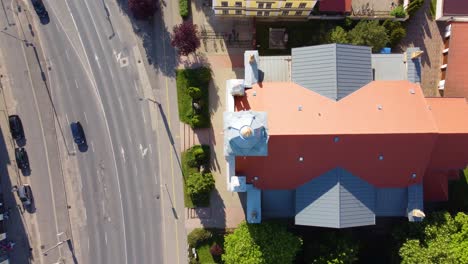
(92, 146)
(130, 139)
(135, 85)
(76, 84)
(150, 149)
(105, 237)
(88, 243)
(122, 151)
(140, 202)
(66, 117)
(135, 168)
(120, 103)
(144, 117)
(143, 151)
(85, 117)
(66, 51)
(117, 55)
(112, 75)
(93, 82)
(97, 60)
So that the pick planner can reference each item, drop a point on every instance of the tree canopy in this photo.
(440, 239)
(142, 9)
(369, 33)
(185, 38)
(265, 243)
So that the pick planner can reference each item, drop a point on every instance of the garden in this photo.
(193, 96)
(198, 180)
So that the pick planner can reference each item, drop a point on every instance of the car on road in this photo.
(25, 194)
(41, 11)
(78, 133)
(16, 127)
(22, 159)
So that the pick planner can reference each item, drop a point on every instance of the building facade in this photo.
(249, 8)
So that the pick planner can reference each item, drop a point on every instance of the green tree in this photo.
(369, 33)
(335, 247)
(265, 243)
(339, 35)
(396, 36)
(200, 185)
(442, 239)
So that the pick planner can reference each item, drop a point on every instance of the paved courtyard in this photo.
(427, 34)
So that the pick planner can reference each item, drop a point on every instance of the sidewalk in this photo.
(226, 62)
(15, 223)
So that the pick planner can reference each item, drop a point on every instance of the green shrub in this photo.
(199, 186)
(399, 11)
(198, 236)
(390, 25)
(433, 9)
(184, 8)
(339, 35)
(194, 92)
(198, 155)
(396, 36)
(414, 6)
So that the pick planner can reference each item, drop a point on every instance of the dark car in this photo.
(41, 11)
(78, 133)
(22, 159)
(16, 127)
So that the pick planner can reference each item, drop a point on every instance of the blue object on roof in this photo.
(335, 199)
(251, 59)
(245, 133)
(415, 201)
(413, 66)
(386, 50)
(391, 201)
(254, 206)
(332, 70)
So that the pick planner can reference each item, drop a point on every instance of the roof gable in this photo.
(336, 199)
(332, 70)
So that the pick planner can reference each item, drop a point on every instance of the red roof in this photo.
(456, 80)
(382, 133)
(341, 6)
(455, 8)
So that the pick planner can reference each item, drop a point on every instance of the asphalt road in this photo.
(130, 182)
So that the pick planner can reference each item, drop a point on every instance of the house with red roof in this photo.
(333, 146)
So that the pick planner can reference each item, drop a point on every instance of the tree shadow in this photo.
(156, 40)
(15, 229)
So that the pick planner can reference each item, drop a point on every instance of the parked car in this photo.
(25, 194)
(41, 11)
(16, 127)
(22, 159)
(78, 133)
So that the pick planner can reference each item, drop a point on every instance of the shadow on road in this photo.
(16, 231)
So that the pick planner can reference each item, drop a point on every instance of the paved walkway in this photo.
(226, 61)
(427, 34)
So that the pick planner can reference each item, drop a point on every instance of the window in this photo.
(224, 4)
(225, 12)
(259, 13)
(238, 4)
(268, 5)
(285, 13)
(266, 13)
(260, 5)
(288, 5)
(302, 5)
(238, 12)
(298, 13)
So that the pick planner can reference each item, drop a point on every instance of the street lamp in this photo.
(148, 99)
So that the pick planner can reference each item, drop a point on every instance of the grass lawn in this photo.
(200, 78)
(300, 34)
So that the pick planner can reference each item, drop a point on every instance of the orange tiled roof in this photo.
(456, 79)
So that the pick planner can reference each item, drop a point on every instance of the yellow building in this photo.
(284, 8)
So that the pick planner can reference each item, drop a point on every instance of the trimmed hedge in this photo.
(184, 8)
(187, 80)
(198, 236)
(192, 159)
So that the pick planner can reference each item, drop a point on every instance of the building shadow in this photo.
(16, 231)
(217, 216)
